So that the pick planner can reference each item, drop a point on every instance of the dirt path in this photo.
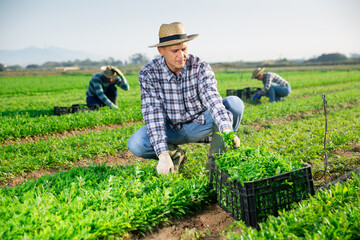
(207, 224)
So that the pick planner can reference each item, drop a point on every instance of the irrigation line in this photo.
(342, 178)
(325, 155)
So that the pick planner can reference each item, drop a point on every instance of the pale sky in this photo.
(229, 30)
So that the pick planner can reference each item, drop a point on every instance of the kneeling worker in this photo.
(275, 87)
(180, 103)
(102, 90)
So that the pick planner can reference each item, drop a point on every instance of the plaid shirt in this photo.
(270, 78)
(177, 99)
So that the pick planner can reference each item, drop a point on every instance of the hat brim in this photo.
(261, 71)
(174, 42)
(103, 69)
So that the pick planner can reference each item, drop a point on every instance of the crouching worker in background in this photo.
(180, 103)
(275, 87)
(102, 90)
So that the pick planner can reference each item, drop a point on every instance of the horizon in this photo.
(104, 58)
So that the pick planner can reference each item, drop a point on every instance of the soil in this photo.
(207, 224)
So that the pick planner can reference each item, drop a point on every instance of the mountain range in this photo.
(34, 55)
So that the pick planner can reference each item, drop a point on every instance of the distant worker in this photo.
(275, 87)
(181, 104)
(102, 90)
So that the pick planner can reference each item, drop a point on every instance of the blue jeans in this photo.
(111, 93)
(276, 92)
(139, 143)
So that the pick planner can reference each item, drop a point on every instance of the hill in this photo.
(33, 55)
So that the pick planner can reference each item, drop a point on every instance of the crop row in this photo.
(56, 152)
(98, 202)
(303, 139)
(29, 123)
(20, 126)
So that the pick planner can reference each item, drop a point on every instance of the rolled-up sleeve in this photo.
(211, 98)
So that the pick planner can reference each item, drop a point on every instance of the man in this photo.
(275, 87)
(180, 103)
(102, 90)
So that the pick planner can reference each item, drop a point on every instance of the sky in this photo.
(229, 30)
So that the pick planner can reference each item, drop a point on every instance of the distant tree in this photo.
(138, 59)
(2, 67)
(14, 68)
(32, 66)
(331, 57)
(51, 65)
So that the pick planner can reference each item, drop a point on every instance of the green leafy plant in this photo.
(249, 164)
(228, 137)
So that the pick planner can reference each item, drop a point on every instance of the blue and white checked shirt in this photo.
(177, 99)
(269, 78)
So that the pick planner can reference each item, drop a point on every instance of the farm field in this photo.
(97, 189)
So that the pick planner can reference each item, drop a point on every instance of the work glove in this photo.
(165, 165)
(236, 140)
(256, 96)
(113, 106)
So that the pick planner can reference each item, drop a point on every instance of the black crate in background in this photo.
(256, 200)
(244, 94)
(75, 108)
(61, 110)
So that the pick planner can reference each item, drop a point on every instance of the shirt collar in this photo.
(168, 74)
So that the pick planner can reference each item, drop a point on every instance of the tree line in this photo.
(139, 59)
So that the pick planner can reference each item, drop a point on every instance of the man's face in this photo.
(175, 56)
(260, 77)
(110, 80)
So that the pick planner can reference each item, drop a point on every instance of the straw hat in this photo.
(257, 72)
(109, 71)
(173, 33)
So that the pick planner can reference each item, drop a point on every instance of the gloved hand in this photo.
(256, 96)
(236, 140)
(165, 164)
(113, 106)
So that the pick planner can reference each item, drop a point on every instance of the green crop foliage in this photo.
(102, 203)
(56, 152)
(27, 108)
(98, 202)
(250, 164)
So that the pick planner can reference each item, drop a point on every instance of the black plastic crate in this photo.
(256, 200)
(244, 94)
(75, 108)
(83, 108)
(61, 110)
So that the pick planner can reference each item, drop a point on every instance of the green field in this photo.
(104, 202)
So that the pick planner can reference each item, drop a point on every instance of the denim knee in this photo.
(236, 106)
(134, 146)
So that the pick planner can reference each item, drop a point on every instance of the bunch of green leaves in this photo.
(249, 164)
(227, 138)
(329, 214)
